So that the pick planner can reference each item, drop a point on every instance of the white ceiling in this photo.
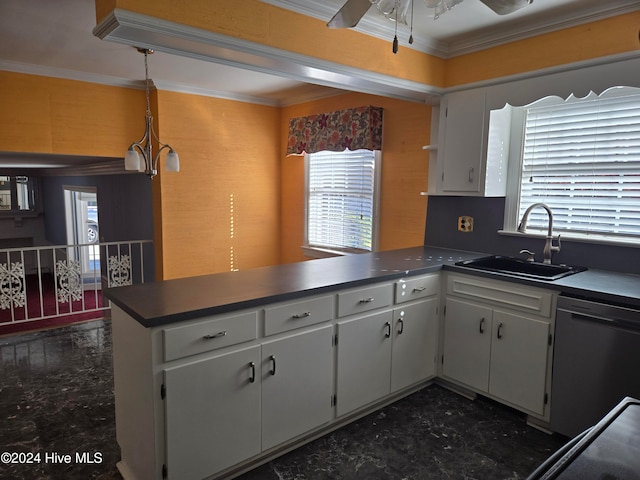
(55, 38)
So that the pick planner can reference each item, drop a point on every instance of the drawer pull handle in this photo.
(215, 335)
(252, 377)
(388, 327)
(482, 325)
(499, 333)
(273, 364)
(366, 300)
(419, 289)
(302, 315)
(401, 326)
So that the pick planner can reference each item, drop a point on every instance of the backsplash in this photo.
(488, 213)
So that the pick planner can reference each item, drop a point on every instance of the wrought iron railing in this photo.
(43, 282)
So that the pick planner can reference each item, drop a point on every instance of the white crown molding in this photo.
(374, 27)
(134, 29)
(54, 72)
(46, 71)
(528, 28)
(206, 92)
(468, 43)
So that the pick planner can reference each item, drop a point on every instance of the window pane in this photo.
(582, 158)
(5, 193)
(341, 199)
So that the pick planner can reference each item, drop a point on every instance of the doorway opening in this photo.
(83, 232)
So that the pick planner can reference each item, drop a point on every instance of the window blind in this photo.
(582, 158)
(341, 199)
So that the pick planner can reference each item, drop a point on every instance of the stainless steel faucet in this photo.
(549, 247)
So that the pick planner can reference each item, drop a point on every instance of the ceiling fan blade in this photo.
(350, 14)
(503, 7)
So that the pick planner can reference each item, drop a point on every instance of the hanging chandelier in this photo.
(139, 156)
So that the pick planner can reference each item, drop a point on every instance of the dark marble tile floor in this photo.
(56, 397)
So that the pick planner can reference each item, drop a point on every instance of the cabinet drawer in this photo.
(417, 287)
(364, 299)
(510, 295)
(289, 316)
(212, 333)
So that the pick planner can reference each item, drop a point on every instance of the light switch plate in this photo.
(465, 224)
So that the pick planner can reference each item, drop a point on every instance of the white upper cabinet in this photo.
(471, 155)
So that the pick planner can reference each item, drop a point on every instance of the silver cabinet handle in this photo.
(301, 315)
(419, 289)
(252, 377)
(273, 364)
(471, 171)
(366, 300)
(499, 333)
(215, 335)
(388, 327)
(401, 326)
(482, 325)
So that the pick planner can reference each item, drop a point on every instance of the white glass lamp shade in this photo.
(172, 162)
(131, 160)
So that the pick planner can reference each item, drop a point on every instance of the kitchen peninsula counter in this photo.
(195, 359)
(160, 303)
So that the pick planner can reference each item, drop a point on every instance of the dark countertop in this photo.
(159, 303)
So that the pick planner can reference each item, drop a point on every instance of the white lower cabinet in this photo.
(499, 351)
(297, 385)
(226, 409)
(364, 361)
(467, 343)
(519, 353)
(415, 343)
(385, 352)
(212, 414)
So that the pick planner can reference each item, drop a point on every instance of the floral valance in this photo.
(352, 128)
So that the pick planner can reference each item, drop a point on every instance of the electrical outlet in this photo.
(465, 224)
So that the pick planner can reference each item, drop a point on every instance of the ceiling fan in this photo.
(398, 10)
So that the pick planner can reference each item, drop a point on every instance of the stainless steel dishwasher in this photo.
(596, 362)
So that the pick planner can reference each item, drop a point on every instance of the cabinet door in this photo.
(364, 361)
(415, 341)
(519, 360)
(467, 343)
(212, 414)
(297, 385)
(464, 141)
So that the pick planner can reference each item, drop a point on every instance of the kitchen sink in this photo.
(520, 267)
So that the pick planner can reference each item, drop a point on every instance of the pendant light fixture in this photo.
(139, 156)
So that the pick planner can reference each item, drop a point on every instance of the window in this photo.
(582, 158)
(341, 203)
(17, 194)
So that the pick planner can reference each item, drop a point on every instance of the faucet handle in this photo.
(531, 255)
(555, 248)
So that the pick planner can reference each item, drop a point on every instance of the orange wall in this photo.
(221, 212)
(610, 36)
(404, 172)
(50, 115)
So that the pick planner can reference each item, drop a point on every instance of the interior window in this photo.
(581, 157)
(341, 201)
(17, 193)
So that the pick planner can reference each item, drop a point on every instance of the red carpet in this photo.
(64, 316)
